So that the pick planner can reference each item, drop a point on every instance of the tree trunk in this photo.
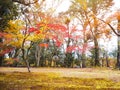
(96, 52)
(1, 57)
(83, 60)
(28, 66)
(118, 53)
(26, 61)
(107, 61)
(1, 60)
(37, 56)
(67, 59)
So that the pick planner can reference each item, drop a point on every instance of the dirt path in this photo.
(71, 72)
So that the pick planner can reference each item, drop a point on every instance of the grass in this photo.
(57, 79)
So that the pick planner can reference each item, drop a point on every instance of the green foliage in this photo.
(8, 11)
(69, 60)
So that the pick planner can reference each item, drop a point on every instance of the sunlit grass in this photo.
(52, 81)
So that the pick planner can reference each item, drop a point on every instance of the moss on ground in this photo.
(52, 81)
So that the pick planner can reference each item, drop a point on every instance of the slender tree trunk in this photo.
(107, 62)
(26, 61)
(67, 60)
(102, 62)
(28, 65)
(118, 53)
(37, 55)
(1, 60)
(1, 57)
(96, 52)
(83, 53)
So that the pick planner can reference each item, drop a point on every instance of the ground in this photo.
(59, 79)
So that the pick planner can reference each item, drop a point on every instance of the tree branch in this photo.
(118, 34)
(24, 3)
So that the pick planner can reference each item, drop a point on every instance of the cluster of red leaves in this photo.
(70, 49)
(80, 49)
(32, 29)
(52, 26)
(5, 51)
(67, 35)
(43, 45)
(42, 24)
(1, 34)
(56, 27)
(58, 43)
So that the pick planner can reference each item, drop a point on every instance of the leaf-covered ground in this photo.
(59, 79)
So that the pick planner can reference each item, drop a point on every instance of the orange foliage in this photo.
(43, 45)
(117, 14)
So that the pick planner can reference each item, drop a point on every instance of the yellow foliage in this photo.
(14, 26)
(9, 60)
(16, 34)
(83, 4)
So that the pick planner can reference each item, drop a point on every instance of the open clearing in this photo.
(59, 79)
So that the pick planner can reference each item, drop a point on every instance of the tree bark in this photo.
(37, 55)
(83, 60)
(26, 61)
(28, 66)
(107, 61)
(96, 52)
(1, 60)
(118, 53)
(1, 57)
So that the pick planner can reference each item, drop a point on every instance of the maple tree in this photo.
(21, 37)
(67, 35)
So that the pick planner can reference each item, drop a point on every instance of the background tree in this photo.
(8, 11)
(87, 12)
(115, 16)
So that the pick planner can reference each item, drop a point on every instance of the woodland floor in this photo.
(59, 79)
